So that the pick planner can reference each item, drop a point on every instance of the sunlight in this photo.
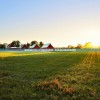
(8, 54)
(96, 44)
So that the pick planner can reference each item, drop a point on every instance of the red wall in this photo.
(24, 47)
(36, 47)
(50, 47)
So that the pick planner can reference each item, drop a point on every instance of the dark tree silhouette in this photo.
(15, 43)
(28, 44)
(41, 44)
(34, 42)
(2, 46)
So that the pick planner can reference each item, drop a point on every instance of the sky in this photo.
(60, 22)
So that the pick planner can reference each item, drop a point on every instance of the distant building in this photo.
(14, 48)
(47, 46)
(9, 46)
(34, 46)
(24, 46)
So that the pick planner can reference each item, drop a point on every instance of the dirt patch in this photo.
(55, 87)
(4, 74)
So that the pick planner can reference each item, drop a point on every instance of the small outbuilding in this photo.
(47, 46)
(24, 46)
(10, 46)
(34, 46)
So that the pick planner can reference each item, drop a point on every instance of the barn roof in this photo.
(46, 45)
(23, 45)
(33, 46)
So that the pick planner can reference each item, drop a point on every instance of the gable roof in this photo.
(24, 46)
(33, 46)
(46, 45)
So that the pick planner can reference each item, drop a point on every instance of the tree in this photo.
(88, 45)
(34, 42)
(70, 47)
(2, 46)
(41, 44)
(79, 46)
(15, 43)
(28, 44)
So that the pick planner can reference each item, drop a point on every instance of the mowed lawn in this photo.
(50, 76)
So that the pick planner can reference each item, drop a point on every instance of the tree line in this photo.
(17, 43)
(80, 46)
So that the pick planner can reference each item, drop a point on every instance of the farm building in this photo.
(11, 47)
(47, 46)
(34, 46)
(24, 46)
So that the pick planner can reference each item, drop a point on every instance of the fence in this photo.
(49, 50)
(36, 50)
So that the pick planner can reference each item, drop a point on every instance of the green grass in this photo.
(50, 76)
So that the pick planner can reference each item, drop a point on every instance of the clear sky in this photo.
(60, 22)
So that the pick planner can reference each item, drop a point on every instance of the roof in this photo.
(23, 45)
(33, 46)
(14, 47)
(46, 45)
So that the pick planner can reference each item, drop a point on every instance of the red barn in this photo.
(34, 46)
(47, 46)
(24, 46)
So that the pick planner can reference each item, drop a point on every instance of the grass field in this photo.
(50, 76)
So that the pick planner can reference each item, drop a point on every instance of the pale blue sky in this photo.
(60, 22)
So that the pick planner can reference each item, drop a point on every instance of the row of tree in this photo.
(17, 43)
(79, 46)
